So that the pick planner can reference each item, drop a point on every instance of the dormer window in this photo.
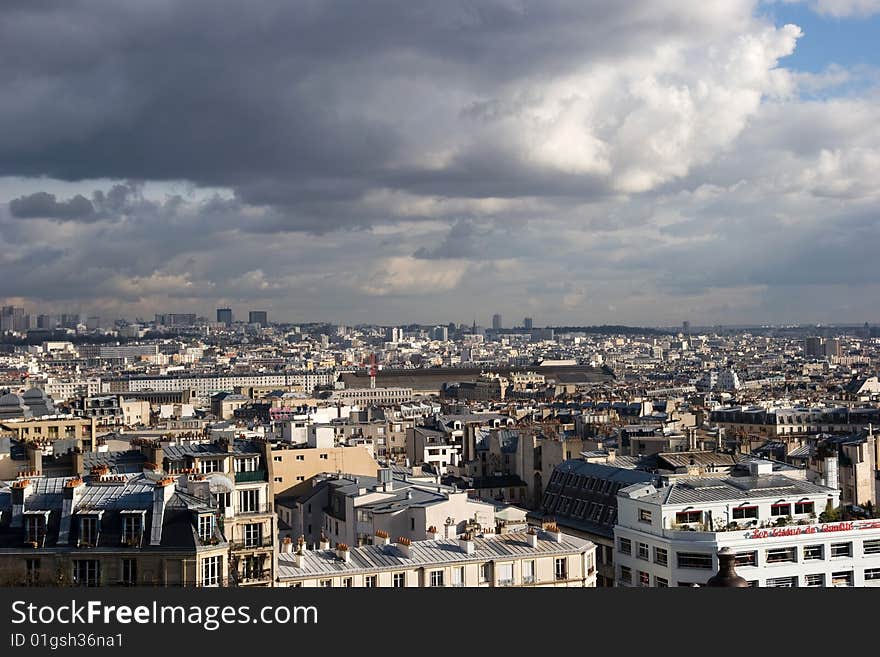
(132, 528)
(207, 523)
(89, 526)
(34, 528)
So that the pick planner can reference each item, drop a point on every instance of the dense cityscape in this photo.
(193, 451)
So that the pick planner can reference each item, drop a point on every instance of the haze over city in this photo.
(583, 163)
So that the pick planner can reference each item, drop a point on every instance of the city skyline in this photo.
(627, 164)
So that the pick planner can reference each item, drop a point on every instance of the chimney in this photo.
(612, 453)
(381, 538)
(342, 552)
(323, 542)
(466, 543)
(532, 537)
(21, 491)
(287, 545)
(162, 492)
(831, 472)
(73, 490)
(79, 467)
(35, 459)
(404, 545)
(432, 533)
(553, 532)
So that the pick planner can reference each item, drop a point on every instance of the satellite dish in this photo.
(220, 483)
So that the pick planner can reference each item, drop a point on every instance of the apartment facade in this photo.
(669, 535)
(236, 479)
(109, 530)
(544, 559)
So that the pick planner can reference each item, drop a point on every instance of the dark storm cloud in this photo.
(372, 157)
(281, 100)
(45, 206)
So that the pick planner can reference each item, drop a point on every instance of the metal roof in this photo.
(442, 552)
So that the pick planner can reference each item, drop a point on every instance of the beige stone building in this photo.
(293, 466)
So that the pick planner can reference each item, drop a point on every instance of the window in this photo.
(626, 575)
(278, 480)
(780, 509)
(661, 582)
(129, 572)
(326, 583)
(661, 556)
(248, 464)
(34, 528)
(683, 517)
(814, 580)
(694, 560)
(804, 507)
(644, 515)
(783, 582)
(252, 535)
(32, 571)
(206, 527)
(370, 581)
(872, 574)
(644, 579)
(742, 512)
(436, 578)
(528, 572)
(300, 457)
(87, 572)
(841, 550)
(208, 466)
(505, 574)
(561, 568)
(88, 531)
(643, 551)
(485, 572)
(323, 457)
(782, 555)
(624, 545)
(131, 530)
(458, 576)
(747, 558)
(211, 571)
(248, 500)
(843, 578)
(871, 547)
(398, 580)
(812, 552)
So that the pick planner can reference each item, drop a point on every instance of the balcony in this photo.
(265, 543)
(250, 477)
(256, 508)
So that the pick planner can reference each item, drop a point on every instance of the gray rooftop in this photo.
(372, 558)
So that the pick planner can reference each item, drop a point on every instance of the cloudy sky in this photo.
(639, 162)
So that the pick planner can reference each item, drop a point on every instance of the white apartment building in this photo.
(205, 386)
(669, 534)
(517, 559)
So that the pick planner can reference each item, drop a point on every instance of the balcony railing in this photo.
(250, 476)
(253, 545)
(256, 508)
